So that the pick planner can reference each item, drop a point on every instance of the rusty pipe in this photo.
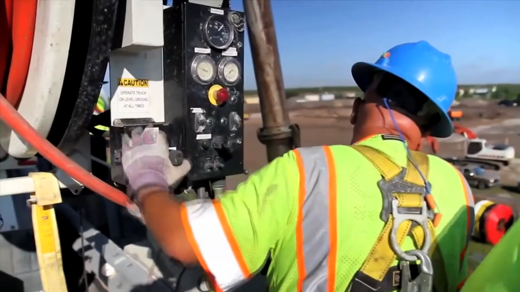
(277, 132)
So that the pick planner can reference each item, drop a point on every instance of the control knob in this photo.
(176, 157)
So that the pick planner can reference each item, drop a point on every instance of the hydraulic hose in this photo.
(17, 123)
(17, 25)
(22, 32)
(492, 221)
(6, 22)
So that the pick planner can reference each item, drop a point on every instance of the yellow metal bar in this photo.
(46, 194)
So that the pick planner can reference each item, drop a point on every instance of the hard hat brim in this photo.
(363, 73)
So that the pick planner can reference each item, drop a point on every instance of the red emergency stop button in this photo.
(218, 95)
(222, 96)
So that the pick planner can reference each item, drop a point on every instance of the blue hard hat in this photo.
(422, 66)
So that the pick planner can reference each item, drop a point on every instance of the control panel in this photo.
(203, 59)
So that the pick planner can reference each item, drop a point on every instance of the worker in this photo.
(99, 108)
(365, 217)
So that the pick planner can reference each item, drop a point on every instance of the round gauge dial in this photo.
(218, 32)
(229, 71)
(203, 69)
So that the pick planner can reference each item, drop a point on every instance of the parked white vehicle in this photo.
(480, 149)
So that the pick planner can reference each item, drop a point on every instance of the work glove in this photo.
(146, 163)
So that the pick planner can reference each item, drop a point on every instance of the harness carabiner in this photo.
(424, 281)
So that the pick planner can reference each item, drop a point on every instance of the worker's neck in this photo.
(373, 131)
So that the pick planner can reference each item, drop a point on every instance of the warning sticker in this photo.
(133, 95)
(128, 82)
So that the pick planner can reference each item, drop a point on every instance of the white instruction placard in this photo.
(133, 95)
(230, 52)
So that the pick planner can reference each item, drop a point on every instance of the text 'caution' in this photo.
(130, 82)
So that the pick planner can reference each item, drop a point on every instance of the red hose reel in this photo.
(492, 221)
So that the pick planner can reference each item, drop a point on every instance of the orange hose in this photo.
(6, 16)
(18, 124)
(19, 23)
(24, 19)
(9, 15)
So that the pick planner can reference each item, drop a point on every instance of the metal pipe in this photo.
(19, 185)
(277, 132)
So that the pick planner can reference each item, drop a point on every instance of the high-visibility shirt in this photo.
(100, 107)
(499, 270)
(316, 212)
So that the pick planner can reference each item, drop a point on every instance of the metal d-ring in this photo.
(399, 218)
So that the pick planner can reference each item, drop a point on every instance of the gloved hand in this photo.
(146, 163)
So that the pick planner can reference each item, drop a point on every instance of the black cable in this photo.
(83, 249)
(178, 284)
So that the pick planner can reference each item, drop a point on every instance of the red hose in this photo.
(17, 29)
(18, 124)
(6, 16)
(23, 22)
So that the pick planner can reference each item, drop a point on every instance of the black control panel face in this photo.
(204, 90)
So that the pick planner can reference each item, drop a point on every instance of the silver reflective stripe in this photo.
(316, 245)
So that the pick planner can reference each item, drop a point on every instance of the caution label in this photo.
(129, 82)
(133, 95)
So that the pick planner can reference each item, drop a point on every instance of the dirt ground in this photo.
(330, 126)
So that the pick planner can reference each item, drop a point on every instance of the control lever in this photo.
(218, 165)
(176, 157)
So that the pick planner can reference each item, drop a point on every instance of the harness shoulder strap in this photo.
(407, 187)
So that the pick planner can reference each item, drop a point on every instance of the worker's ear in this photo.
(355, 110)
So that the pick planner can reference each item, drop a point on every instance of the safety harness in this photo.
(408, 210)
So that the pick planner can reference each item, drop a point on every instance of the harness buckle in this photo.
(424, 281)
(421, 218)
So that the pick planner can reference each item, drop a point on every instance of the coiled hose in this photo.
(17, 25)
(18, 124)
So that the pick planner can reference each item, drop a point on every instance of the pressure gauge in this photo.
(203, 69)
(218, 32)
(229, 71)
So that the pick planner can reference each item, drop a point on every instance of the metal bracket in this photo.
(291, 132)
(81, 155)
(132, 122)
(73, 185)
(398, 185)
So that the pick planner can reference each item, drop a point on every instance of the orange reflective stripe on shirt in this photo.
(231, 239)
(333, 222)
(214, 243)
(468, 195)
(316, 230)
(195, 247)
(299, 222)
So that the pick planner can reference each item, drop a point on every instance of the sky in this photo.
(319, 40)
